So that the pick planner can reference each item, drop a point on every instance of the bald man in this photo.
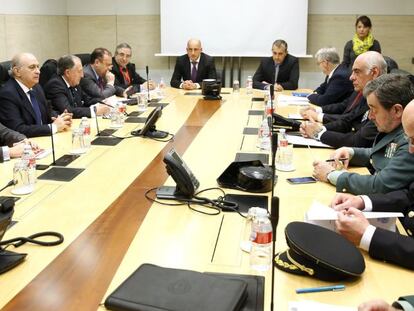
(23, 105)
(380, 243)
(191, 68)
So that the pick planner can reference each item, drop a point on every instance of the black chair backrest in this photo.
(47, 71)
(391, 64)
(4, 71)
(85, 58)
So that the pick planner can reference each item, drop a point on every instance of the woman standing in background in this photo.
(362, 41)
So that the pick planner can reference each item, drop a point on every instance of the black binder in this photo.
(154, 288)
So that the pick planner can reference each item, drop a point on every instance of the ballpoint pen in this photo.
(333, 160)
(332, 288)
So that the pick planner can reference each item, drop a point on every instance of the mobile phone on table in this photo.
(301, 180)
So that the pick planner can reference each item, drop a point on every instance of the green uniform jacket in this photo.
(393, 165)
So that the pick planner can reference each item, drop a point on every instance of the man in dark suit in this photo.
(405, 303)
(98, 81)
(347, 123)
(282, 69)
(388, 160)
(337, 85)
(23, 105)
(11, 143)
(65, 93)
(192, 68)
(125, 73)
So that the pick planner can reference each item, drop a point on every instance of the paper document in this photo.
(302, 141)
(309, 305)
(296, 116)
(292, 100)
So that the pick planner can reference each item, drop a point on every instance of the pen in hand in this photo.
(332, 288)
(333, 160)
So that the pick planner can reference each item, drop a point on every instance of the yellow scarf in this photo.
(361, 46)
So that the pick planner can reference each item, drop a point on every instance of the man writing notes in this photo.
(191, 68)
(388, 160)
(282, 69)
(23, 105)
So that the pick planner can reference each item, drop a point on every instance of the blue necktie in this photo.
(36, 107)
(194, 72)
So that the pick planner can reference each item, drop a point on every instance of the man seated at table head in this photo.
(192, 68)
(23, 105)
(337, 85)
(98, 81)
(126, 77)
(388, 160)
(282, 69)
(405, 303)
(12, 143)
(65, 93)
(346, 123)
(381, 244)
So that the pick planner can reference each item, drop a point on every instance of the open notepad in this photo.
(302, 141)
(308, 305)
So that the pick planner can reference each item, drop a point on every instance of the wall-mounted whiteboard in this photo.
(234, 28)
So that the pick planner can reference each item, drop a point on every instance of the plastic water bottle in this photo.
(29, 160)
(284, 156)
(161, 88)
(86, 128)
(261, 252)
(249, 85)
(264, 138)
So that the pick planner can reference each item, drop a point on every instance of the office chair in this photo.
(85, 58)
(391, 64)
(4, 71)
(47, 71)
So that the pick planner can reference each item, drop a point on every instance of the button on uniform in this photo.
(411, 214)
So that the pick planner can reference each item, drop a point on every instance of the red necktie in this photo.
(354, 103)
(125, 74)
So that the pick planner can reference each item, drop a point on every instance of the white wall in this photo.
(362, 7)
(33, 7)
(113, 7)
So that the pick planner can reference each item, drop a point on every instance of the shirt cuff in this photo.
(367, 237)
(320, 117)
(181, 85)
(320, 133)
(92, 108)
(318, 109)
(403, 305)
(333, 176)
(54, 128)
(367, 203)
(198, 86)
(6, 153)
(351, 152)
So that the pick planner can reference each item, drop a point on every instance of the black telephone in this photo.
(186, 182)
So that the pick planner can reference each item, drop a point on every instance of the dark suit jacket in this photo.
(338, 88)
(335, 111)
(390, 246)
(16, 111)
(349, 54)
(182, 71)
(7, 138)
(287, 77)
(61, 98)
(363, 137)
(90, 86)
(136, 79)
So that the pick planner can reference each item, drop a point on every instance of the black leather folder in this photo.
(154, 288)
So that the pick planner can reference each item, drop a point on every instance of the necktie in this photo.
(276, 72)
(354, 103)
(101, 83)
(194, 72)
(74, 98)
(36, 108)
(125, 74)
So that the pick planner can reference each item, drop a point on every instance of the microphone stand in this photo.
(274, 209)
(53, 145)
(98, 133)
(146, 70)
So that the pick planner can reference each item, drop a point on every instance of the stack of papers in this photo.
(309, 305)
(292, 100)
(302, 141)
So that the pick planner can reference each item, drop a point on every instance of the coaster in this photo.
(135, 120)
(106, 141)
(250, 131)
(256, 112)
(61, 173)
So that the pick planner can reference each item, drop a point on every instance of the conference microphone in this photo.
(272, 92)
(9, 184)
(98, 133)
(53, 145)
(274, 219)
(146, 70)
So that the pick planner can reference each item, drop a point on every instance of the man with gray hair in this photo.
(388, 160)
(23, 105)
(125, 73)
(65, 93)
(347, 123)
(337, 86)
(281, 69)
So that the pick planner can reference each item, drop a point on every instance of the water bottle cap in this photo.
(282, 131)
(261, 212)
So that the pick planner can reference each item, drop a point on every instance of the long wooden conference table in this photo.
(110, 229)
